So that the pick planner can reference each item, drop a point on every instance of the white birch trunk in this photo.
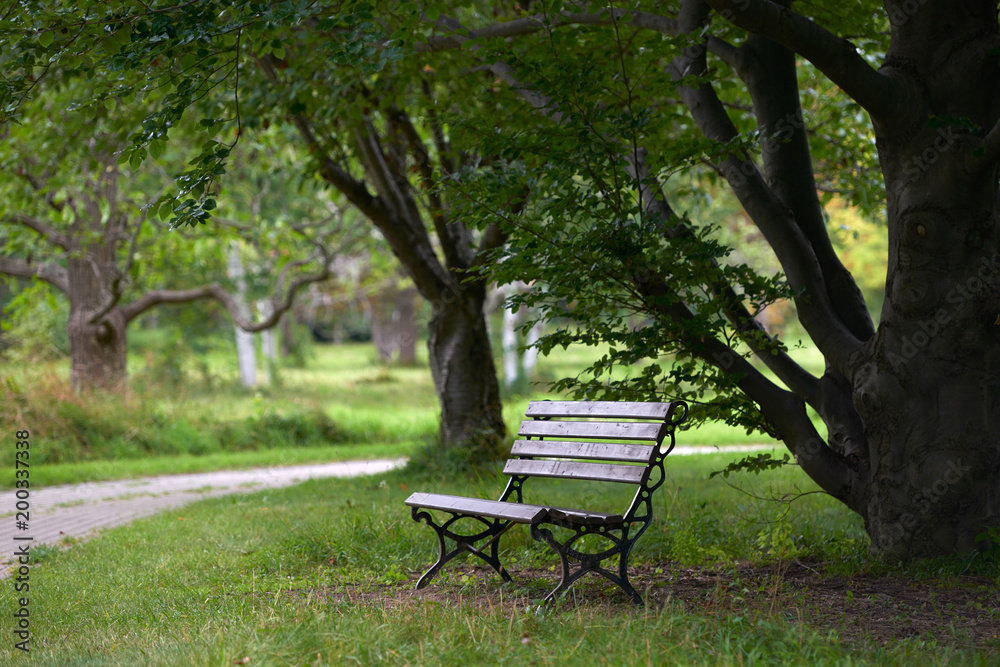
(529, 360)
(508, 339)
(245, 352)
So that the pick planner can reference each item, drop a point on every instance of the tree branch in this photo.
(774, 219)
(538, 22)
(784, 409)
(437, 131)
(43, 229)
(454, 238)
(770, 76)
(356, 191)
(392, 211)
(837, 58)
(50, 272)
(747, 327)
(281, 302)
(401, 224)
(115, 295)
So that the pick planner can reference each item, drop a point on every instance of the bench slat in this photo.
(598, 472)
(603, 451)
(583, 517)
(516, 512)
(605, 409)
(597, 430)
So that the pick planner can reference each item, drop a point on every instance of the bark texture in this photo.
(97, 348)
(928, 386)
(464, 373)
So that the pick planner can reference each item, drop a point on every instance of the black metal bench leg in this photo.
(463, 543)
(588, 562)
(623, 580)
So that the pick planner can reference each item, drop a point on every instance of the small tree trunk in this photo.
(245, 353)
(380, 310)
(288, 342)
(394, 326)
(464, 374)
(508, 340)
(529, 361)
(97, 350)
(406, 326)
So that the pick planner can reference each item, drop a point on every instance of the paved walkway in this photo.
(78, 510)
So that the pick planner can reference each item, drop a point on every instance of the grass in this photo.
(321, 573)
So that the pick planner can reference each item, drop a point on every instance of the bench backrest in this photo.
(605, 441)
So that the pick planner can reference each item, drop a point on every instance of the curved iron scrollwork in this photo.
(464, 543)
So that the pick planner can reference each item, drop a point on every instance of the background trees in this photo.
(77, 219)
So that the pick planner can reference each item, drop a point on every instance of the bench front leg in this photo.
(495, 528)
(589, 562)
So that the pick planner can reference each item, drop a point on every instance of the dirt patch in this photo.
(959, 611)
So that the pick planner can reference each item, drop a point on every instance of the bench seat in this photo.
(516, 512)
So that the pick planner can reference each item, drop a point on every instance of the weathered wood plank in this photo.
(596, 430)
(602, 409)
(602, 451)
(583, 517)
(597, 472)
(516, 512)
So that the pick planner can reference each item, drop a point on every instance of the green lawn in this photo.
(322, 573)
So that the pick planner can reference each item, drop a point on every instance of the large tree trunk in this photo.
(97, 350)
(929, 391)
(465, 377)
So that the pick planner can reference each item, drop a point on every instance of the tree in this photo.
(388, 167)
(616, 102)
(76, 222)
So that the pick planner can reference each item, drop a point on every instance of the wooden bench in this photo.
(577, 440)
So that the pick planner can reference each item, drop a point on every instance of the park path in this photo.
(78, 511)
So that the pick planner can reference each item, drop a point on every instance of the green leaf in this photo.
(46, 39)
(166, 210)
(156, 149)
(110, 103)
